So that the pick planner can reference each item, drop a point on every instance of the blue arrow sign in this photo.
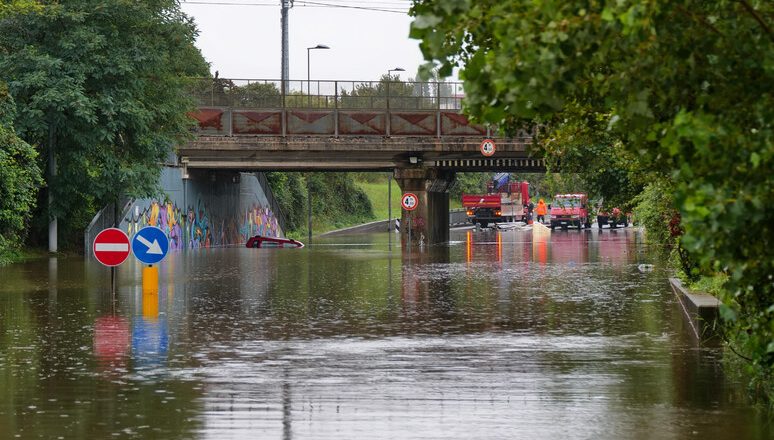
(150, 245)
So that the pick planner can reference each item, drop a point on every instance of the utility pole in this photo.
(52, 223)
(286, 5)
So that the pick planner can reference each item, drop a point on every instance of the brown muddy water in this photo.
(490, 337)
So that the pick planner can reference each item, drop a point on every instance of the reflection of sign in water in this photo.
(111, 339)
(150, 341)
(541, 235)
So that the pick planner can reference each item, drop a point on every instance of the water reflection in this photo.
(499, 334)
(111, 343)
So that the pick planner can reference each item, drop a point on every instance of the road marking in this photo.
(111, 247)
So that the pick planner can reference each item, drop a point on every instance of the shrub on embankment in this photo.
(337, 202)
(19, 182)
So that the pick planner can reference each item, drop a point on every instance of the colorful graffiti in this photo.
(258, 220)
(194, 228)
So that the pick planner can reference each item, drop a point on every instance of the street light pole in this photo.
(309, 71)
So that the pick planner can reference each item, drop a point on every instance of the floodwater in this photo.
(492, 336)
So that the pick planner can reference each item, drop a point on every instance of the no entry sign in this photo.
(488, 147)
(111, 247)
(409, 201)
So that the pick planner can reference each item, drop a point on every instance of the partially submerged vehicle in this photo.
(613, 218)
(570, 210)
(259, 241)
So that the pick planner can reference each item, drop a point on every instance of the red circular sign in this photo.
(409, 201)
(111, 247)
(488, 147)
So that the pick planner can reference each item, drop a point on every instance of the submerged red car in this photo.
(260, 241)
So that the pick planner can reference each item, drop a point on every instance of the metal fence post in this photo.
(336, 108)
(438, 109)
(283, 110)
(388, 123)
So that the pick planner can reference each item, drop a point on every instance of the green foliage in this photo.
(469, 183)
(583, 146)
(551, 184)
(289, 190)
(257, 95)
(8, 7)
(543, 185)
(682, 88)
(336, 200)
(19, 181)
(224, 92)
(654, 209)
(101, 82)
(402, 95)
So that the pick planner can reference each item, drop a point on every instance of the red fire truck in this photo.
(507, 205)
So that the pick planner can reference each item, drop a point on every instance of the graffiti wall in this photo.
(208, 209)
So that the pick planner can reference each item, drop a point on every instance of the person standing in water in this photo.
(541, 211)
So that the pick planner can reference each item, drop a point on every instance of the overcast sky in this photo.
(244, 41)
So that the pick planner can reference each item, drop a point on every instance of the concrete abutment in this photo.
(428, 223)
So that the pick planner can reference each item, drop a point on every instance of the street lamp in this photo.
(397, 69)
(308, 69)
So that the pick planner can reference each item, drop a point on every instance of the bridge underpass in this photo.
(415, 130)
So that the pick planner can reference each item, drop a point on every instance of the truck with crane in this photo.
(505, 201)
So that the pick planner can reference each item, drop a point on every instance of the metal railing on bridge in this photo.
(324, 94)
(233, 107)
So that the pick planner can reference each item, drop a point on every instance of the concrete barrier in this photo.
(701, 309)
(457, 217)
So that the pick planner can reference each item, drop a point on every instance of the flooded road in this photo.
(492, 336)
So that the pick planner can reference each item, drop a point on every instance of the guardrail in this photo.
(325, 94)
(104, 219)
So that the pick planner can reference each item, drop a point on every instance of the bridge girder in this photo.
(355, 153)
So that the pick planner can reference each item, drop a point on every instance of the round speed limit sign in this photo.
(488, 147)
(409, 201)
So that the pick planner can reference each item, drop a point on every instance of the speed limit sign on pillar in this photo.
(488, 147)
(409, 201)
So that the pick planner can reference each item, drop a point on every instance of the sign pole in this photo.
(111, 247)
(389, 204)
(409, 202)
(113, 268)
(408, 221)
(309, 209)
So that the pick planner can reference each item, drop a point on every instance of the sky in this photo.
(244, 41)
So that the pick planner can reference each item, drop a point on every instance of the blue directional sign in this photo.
(150, 245)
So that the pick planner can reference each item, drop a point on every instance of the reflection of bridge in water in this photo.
(415, 129)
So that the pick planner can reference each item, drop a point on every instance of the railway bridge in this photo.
(414, 129)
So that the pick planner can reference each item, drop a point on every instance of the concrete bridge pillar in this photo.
(429, 222)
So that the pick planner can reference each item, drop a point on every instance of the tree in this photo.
(20, 175)
(683, 87)
(19, 180)
(100, 83)
(402, 95)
